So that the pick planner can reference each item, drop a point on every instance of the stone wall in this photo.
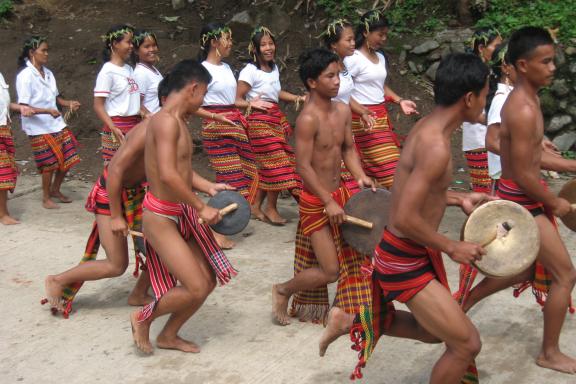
(558, 101)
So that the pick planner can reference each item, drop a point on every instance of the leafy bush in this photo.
(508, 15)
(335, 9)
(5, 8)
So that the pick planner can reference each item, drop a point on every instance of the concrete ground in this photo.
(234, 328)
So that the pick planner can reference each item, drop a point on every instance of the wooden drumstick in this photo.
(507, 226)
(224, 211)
(358, 222)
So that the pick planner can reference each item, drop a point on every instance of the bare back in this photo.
(168, 154)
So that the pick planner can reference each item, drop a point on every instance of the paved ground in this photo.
(240, 344)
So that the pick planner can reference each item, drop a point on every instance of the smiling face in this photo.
(39, 56)
(376, 39)
(346, 44)
(267, 49)
(124, 47)
(148, 51)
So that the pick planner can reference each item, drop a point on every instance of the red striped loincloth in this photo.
(8, 169)
(477, 161)
(160, 277)
(55, 151)
(109, 143)
(230, 152)
(275, 157)
(378, 148)
(353, 288)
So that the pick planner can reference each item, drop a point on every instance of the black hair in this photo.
(162, 90)
(458, 74)
(334, 31)
(114, 35)
(369, 22)
(254, 47)
(313, 62)
(182, 74)
(483, 37)
(499, 58)
(525, 40)
(208, 33)
(30, 44)
(138, 39)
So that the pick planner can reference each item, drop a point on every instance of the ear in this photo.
(468, 99)
(311, 83)
(214, 43)
(521, 66)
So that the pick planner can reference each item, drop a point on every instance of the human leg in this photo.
(271, 209)
(325, 251)
(5, 217)
(46, 183)
(55, 187)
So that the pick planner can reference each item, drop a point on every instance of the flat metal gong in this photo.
(235, 221)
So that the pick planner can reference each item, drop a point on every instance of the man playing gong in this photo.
(531, 51)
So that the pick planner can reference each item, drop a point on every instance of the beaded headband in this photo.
(110, 37)
(261, 29)
(139, 38)
(215, 34)
(34, 42)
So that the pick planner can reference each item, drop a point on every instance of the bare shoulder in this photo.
(519, 110)
(427, 144)
(307, 120)
(341, 108)
(163, 122)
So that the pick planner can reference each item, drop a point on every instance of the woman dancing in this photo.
(116, 95)
(268, 127)
(377, 145)
(53, 144)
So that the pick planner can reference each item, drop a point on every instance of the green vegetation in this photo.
(5, 8)
(508, 15)
(336, 9)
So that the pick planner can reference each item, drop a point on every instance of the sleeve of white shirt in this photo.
(247, 74)
(103, 84)
(351, 64)
(495, 109)
(142, 80)
(24, 87)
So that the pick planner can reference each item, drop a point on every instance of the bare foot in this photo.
(139, 300)
(338, 324)
(177, 343)
(49, 204)
(141, 333)
(223, 241)
(54, 292)
(280, 306)
(273, 217)
(8, 220)
(257, 213)
(557, 361)
(60, 196)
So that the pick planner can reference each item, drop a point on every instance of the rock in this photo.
(445, 51)
(563, 105)
(571, 110)
(560, 58)
(431, 72)
(407, 47)
(178, 4)
(413, 67)
(572, 68)
(565, 141)
(402, 57)
(559, 122)
(570, 51)
(425, 47)
(457, 47)
(434, 56)
(548, 104)
(242, 18)
(420, 67)
(560, 87)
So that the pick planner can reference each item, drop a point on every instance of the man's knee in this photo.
(567, 278)
(115, 270)
(469, 347)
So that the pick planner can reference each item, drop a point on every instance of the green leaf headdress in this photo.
(215, 34)
(34, 42)
(483, 37)
(373, 17)
(137, 39)
(112, 36)
(263, 30)
(331, 28)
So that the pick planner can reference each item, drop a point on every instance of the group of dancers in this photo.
(344, 142)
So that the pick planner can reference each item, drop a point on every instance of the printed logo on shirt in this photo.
(133, 85)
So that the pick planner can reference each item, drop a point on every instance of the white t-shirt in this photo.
(494, 166)
(473, 136)
(39, 92)
(346, 87)
(222, 88)
(369, 78)
(264, 84)
(121, 91)
(148, 79)
(4, 102)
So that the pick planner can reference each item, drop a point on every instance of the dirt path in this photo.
(240, 344)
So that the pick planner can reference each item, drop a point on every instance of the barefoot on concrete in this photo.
(49, 204)
(273, 217)
(60, 196)
(177, 343)
(279, 307)
(223, 241)
(54, 292)
(338, 324)
(8, 220)
(257, 213)
(141, 333)
(557, 361)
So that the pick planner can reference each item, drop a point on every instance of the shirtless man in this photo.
(531, 51)
(178, 247)
(122, 179)
(323, 140)
(408, 263)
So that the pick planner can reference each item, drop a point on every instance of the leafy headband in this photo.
(262, 29)
(34, 42)
(501, 58)
(331, 28)
(110, 37)
(215, 34)
(372, 18)
(483, 37)
(139, 38)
